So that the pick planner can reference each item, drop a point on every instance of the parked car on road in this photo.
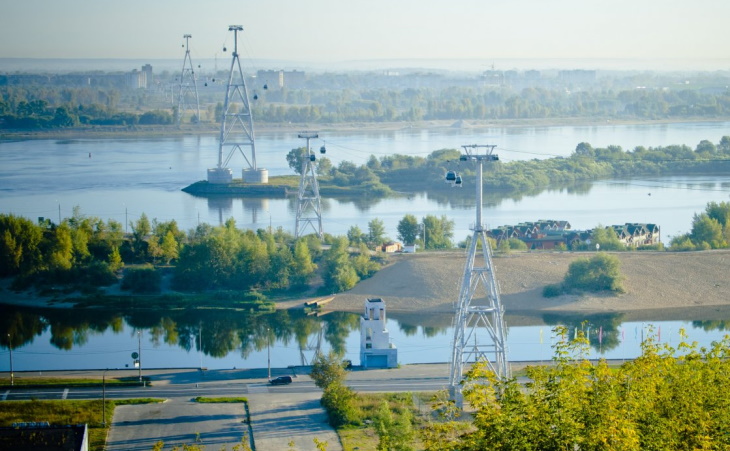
(281, 380)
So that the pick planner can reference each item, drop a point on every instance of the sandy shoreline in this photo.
(678, 285)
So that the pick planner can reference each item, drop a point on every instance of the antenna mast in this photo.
(475, 309)
(237, 130)
(309, 203)
(188, 89)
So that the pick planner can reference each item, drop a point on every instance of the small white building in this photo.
(376, 350)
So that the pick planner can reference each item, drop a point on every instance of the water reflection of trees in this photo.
(601, 329)
(215, 333)
(707, 326)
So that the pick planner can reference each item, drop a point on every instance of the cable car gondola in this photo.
(312, 157)
(450, 177)
(457, 182)
(323, 149)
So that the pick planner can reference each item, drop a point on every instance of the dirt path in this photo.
(653, 281)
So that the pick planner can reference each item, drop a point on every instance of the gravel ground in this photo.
(653, 281)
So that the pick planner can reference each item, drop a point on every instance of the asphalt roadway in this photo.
(280, 415)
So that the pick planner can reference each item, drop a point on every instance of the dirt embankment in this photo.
(662, 282)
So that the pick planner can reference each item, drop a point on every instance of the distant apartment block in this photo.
(136, 79)
(277, 79)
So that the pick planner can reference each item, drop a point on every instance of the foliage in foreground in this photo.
(668, 398)
(338, 400)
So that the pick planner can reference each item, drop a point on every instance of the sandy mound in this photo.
(653, 280)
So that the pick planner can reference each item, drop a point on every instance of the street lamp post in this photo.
(424, 235)
(10, 347)
(268, 351)
(139, 354)
(103, 397)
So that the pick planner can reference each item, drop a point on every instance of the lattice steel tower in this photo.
(187, 97)
(237, 134)
(478, 306)
(309, 203)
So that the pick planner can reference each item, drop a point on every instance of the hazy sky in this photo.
(342, 30)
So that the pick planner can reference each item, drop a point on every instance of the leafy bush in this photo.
(142, 280)
(598, 273)
(551, 291)
(338, 400)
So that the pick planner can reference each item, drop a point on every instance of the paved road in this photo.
(279, 414)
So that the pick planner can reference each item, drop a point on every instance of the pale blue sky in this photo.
(342, 30)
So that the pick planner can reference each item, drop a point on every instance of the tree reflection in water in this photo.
(601, 329)
(216, 333)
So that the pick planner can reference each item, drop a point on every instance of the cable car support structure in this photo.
(478, 306)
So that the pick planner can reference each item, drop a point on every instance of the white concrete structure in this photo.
(376, 350)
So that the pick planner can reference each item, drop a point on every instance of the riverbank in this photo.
(152, 131)
(659, 285)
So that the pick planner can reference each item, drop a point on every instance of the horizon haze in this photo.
(650, 35)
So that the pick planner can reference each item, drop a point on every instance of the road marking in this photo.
(65, 393)
(257, 388)
(5, 395)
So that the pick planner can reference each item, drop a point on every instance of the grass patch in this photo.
(67, 412)
(242, 301)
(203, 399)
(67, 383)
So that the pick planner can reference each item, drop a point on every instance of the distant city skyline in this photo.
(331, 31)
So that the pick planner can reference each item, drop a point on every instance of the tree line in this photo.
(35, 106)
(88, 252)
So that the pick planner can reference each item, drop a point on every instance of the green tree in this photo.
(338, 273)
(438, 232)
(355, 235)
(376, 232)
(408, 229)
(295, 159)
(169, 247)
(302, 265)
(607, 239)
(707, 230)
(327, 370)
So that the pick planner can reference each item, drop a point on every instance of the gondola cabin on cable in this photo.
(323, 150)
(450, 177)
(457, 182)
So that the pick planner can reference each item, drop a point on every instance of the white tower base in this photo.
(259, 175)
(220, 175)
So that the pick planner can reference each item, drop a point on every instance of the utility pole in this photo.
(309, 202)
(268, 351)
(474, 309)
(10, 347)
(139, 354)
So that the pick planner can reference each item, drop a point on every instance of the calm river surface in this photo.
(122, 178)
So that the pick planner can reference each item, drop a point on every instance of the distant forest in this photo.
(357, 97)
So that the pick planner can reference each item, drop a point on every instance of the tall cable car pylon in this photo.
(237, 133)
(187, 97)
(478, 306)
(309, 203)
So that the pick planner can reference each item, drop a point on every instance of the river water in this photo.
(122, 178)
